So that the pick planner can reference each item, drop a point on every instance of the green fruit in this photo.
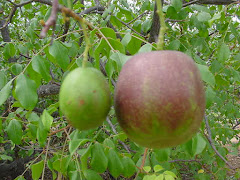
(160, 99)
(84, 98)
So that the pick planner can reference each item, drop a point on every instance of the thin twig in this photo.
(51, 20)
(209, 137)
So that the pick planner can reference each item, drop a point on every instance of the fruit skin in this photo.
(160, 99)
(84, 98)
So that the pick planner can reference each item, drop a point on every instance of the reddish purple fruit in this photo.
(160, 99)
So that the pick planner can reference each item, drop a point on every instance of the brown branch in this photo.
(46, 90)
(115, 132)
(209, 137)
(59, 130)
(51, 20)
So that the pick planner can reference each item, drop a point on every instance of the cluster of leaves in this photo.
(31, 121)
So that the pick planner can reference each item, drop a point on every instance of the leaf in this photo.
(168, 177)
(42, 66)
(9, 50)
(16, 68)
(99, 160)
(149, 177)
(90, 175)
(145, 48)
(47, 120)
(108, 32)
(177, 4)
(206, 75)
(3, 79)
(210, 96)
(223, 53)
(5, 92)
(162, 154)
(114, 163)
(37, 170)
(128, 167)
(146, 25)
(174, 45)
(60, 54)
(203, 16)
(74, 144)
(157, 168)
(120, 59)
(109, 143)
(14, 131)
(199, 144)
(126, 39)
(26, 92)
(160, 177)
(42, 134)
(134, 44)
(20, 178)
(147, 168)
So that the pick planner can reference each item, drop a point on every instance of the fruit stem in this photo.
(163, 27)
(87, 40)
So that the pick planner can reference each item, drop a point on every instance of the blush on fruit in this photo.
(160, 99)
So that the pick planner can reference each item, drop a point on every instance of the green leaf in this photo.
(157, 168)
(146, 25)
(177, 4)
(42, 66)
(37, 170)
(26, 92)
(223, 53)
(160, 177)
(109, 143)
(168, 177)
(199, 144)
(14, 131)
(9, 50)
(5, 92)
(149, 177)
(47, 120)
(134, 44)
(90, 175)
(42, 134)
(99, 160)
(145, 48)
(147, 168)
(5, 157)
(3, 79)
(128, 167)
(203, 16)
(61, 164)
(108, 32)
(114, 163)
(16, 68)
(120, 59)
(126, 39)
(20, 178)
(174, 45)
(210, 96)
(206, 75)
(235, 32)
(162, 154)
(74, 144)
(60, 54)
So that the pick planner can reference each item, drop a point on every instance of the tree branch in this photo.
(46, 90)
(209, 137)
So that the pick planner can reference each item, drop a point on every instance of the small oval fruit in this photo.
(160, 99)
(84, 98)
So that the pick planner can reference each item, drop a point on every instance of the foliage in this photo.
(31, 124)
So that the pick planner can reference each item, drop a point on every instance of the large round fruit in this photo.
(85, 98)
(160, 99)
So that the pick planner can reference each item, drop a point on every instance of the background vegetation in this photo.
(37, 52)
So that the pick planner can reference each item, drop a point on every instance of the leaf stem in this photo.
(163, 27)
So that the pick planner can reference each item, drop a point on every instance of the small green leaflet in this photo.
(37, 169)
(177, 4)
(9, 50)
(223, 53)
(60, 54)
(206, 75)
(203, 16)
(114, 163)
(14, 131)
(5, 91)
(47, 120)
(3, 79)
(74, 144)
(42, 66)
(92, 175)
(198, 144)
(26, 92)
(129, 167)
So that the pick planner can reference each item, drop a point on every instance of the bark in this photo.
(155, 27)
(46, 90)
(4, 32)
